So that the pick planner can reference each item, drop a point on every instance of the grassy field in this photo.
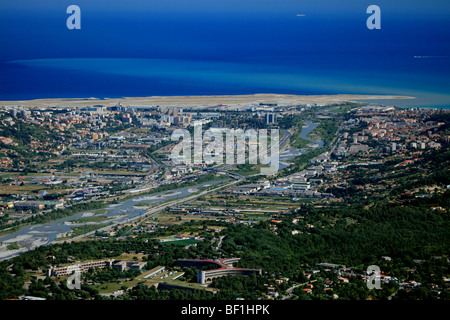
(256, 213)
(25, 188)
(90, 219)
(130, 256)
(180, 242)
(5, 175)
(13, 246)
(248, 169)
(169, 219)
(144, 204)
(78, 231)
(191, 285)
(297, 142)
(106, 288)
(119, 172)
(101, 211)
(8, 231)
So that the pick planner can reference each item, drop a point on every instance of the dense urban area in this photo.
(93, 191)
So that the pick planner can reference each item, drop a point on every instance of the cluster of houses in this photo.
(396, 130)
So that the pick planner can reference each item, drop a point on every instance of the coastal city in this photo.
(92, 190)
(224, 159)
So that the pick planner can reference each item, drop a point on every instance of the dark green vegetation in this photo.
(13, 246)
(25, 133)
(354, 237)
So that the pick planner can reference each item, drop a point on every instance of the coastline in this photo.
(203, 101)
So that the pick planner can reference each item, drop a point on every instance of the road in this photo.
(219, 245)
(153, 211)
(289, 291)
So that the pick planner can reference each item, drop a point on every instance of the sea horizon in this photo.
(241, 47)
(109, 78)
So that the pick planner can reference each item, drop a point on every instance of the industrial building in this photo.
(225, 268)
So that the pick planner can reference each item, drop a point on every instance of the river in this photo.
(32, 236)
(288, 154)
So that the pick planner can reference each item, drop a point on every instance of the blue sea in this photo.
(120, 53)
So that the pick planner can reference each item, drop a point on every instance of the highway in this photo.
(154, 210)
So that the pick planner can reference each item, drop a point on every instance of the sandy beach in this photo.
(202, 102)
